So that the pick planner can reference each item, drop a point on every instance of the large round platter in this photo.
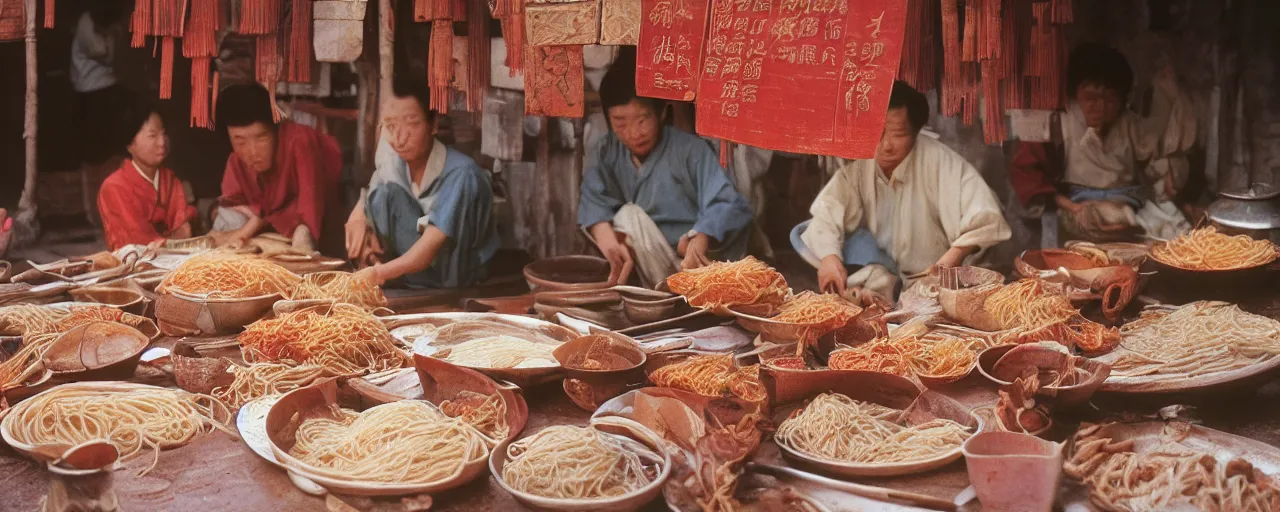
(1247, 377)
(427, 345)
(890, 391)
(281, 424)
(1224, 447)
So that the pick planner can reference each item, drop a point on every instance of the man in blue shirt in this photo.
(654, 198)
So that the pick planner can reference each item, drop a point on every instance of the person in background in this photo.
(916, 206)
(283, 177)
(654, 198)
(99, 98)
(428, 210)
(1109, 177)
(142, 202)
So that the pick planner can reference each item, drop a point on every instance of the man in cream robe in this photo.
(916, 205)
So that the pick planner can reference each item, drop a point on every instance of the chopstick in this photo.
(867, 491)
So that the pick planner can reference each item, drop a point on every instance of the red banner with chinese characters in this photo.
(805, 76)
(553, 81)
(670, 51)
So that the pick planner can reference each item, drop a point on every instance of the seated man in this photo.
(657, 191)
(1109, 178)
(282, 177)
(916, 206)
(428, 206)
(142, 202)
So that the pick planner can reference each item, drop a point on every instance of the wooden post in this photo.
(25, 227)
(386, 47)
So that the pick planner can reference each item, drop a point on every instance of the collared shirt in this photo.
(1097, 161)
(92, 53)
(935, 200)
(136, 210)
(435, 165)
(680, 185)
(154, 180)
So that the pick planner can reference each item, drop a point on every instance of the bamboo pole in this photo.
(25, 227)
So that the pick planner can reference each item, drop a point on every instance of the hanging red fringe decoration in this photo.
(1011, 89)
(1063, 12)
(48, 13)
(513, 35)
(200, 92)
(440, 65)
(140, 24)
(952, 80)
(258, 17)
(166, 68)
(726, 154)
(477, 55)
(1046, 60)
(213, 103)
(993, 126)
(432, 10)
(267, 60)
(969, 42)
(298, 65)
(919, 67)
(200, 44)
(459, 10)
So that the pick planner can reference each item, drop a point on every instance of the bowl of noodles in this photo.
(505, 347)
(1207, 250)
(748, 285)
(395, 449)
(599, 367)
(803, 318)
(220, 292)
(846, 427)
(934, 359)
(708, 374)
(599, 467)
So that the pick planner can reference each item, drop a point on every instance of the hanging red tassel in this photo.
(258, 17)
(200, 39)
(48, 13)
(140, 24)
(267, 60)
(1063, 12)
(200, 92)
(726, 154)
(952, 79)
(970, 40)
(513, 35)
(166, 68)
(477, 55)
(440, 65)
(298, 67)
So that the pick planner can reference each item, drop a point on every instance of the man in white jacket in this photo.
(915, 206)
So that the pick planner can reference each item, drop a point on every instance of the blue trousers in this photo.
(395, 213)
(859, 249)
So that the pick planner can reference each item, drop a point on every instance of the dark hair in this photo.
(1099, 64)
(905, 96)
(104, 13)
(243, 105)
(405, 86)
(132, 118)
(618, 87)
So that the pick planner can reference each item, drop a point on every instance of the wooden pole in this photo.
(25, 227)
(386, 47)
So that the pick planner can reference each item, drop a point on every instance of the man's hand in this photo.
(1067, 204)
(227, 238)
(695, 252)
(371, 274)
(867, 298)
(356, 229)
(832, 275)
(620, 261)
(954, 257)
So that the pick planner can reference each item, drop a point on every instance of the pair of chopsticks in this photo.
(867, 491)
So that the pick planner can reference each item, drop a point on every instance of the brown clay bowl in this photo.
(645, 306)
(620, 360)
(184, 314)
(6, 271)
(196, 373)
(96, 351)
(567, 273)
(1062, 397)
(444, 381)
(124, 299)
(317, 401)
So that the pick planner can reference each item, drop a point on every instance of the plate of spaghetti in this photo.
(344, 339)
(851, 434)
(750, 285)
(1195, 347)
(572, 468)
(505, 347)
(933, 358)
(707, 374)
(394, 449)
(222, 275)
(1205, 249)
(342, 287)
(136, 419)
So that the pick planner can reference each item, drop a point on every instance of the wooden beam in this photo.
(25, 226)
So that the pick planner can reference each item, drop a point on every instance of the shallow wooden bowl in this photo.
(316, 401)
(1063, 397)
(184, 314)
(567, 273)
(96, 351)
(124, 299)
